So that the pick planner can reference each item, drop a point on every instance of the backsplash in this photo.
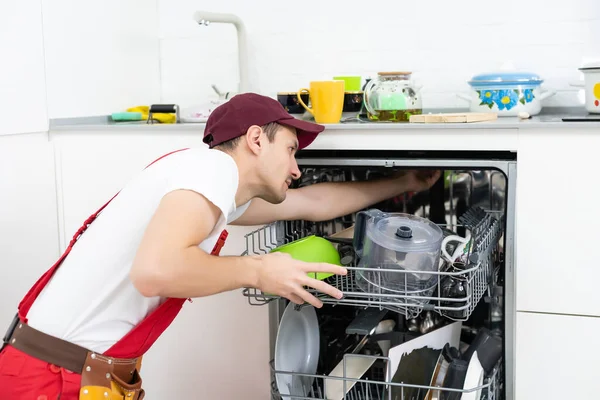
(443, 43)
(100, 57)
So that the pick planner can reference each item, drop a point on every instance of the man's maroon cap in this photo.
(232, 119)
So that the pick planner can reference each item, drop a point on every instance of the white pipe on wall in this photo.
(206, 17)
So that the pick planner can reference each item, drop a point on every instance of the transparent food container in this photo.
(399, 253)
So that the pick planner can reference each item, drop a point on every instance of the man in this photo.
(130, 268)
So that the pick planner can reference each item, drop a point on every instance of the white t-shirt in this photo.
(90, 300)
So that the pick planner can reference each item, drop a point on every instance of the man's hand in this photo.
(418, 180)
(279, 274)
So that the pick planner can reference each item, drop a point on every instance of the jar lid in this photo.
(395, 73)
(591, 65)
(406, 233)
(506, 78)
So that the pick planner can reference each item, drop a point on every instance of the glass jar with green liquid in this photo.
(392, 97)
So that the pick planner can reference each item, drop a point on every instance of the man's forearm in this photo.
(194, 273)
(325, 201)
(336, 199)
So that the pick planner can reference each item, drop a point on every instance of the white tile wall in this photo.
(22, 74)
(101, 57)
(444, 43)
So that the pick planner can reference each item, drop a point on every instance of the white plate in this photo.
(356, 367)
(473, 378)
(297, 349)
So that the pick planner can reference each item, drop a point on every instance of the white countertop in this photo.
(501, 134)
(547, 121)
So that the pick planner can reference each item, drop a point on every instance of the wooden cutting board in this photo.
(453, 117)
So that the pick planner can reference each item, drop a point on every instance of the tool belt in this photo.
(101, 377)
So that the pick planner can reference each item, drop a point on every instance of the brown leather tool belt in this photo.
(101, 376)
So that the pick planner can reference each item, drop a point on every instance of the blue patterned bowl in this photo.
(506, 93)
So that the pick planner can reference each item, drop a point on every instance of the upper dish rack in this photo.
(454, 293)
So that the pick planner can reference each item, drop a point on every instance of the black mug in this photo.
(289, 101)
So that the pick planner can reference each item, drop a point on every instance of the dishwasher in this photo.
(474, 199)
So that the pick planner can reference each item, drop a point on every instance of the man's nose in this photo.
(296, 171)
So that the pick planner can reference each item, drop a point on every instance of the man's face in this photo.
(278, 165)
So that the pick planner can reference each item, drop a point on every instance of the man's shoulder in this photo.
(211, 173)
(205, 156)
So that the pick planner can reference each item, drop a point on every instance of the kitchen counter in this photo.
(550, 118)
(500, 135)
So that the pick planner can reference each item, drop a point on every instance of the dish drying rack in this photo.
(373, 385)
(474, 279)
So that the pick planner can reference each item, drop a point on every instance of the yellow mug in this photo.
(327, 100)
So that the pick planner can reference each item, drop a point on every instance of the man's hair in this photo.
(269, 129)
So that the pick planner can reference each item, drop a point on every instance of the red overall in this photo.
(24, 377)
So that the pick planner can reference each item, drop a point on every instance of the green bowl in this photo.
(312, 249)
(447, 179)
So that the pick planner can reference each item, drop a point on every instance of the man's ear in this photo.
(253, 138)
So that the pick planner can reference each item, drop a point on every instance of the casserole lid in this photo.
(519, 78)
(592, 65)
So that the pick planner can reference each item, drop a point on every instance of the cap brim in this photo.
(306, 131)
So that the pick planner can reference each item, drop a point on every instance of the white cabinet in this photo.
(219, 344)
(557, 222)
(28, 227)
(557, 357)
(22, 75)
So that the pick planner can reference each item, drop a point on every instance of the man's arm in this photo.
(329, 200)
(169, 262)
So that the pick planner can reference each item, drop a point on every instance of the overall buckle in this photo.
(11, 328)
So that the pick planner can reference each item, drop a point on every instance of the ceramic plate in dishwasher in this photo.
(297, 349)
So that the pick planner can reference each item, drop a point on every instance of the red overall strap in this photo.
(34, 292)
(135, 343)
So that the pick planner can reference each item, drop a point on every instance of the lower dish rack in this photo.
(453, 291)
(372, 385)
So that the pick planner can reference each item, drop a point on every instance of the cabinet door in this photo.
(557, 357)
(22, 74)
(28, 226)
(557, 222)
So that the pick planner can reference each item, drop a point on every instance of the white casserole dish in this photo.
(506, 93)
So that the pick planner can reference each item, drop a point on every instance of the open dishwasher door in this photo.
(472, 288)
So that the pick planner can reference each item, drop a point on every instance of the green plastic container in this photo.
(312, 249)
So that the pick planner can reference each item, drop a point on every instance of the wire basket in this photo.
(371, 385)
(450, 291)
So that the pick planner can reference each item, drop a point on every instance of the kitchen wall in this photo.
(101, 57)
(67, 58)
(443, 42)
(22, 72)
